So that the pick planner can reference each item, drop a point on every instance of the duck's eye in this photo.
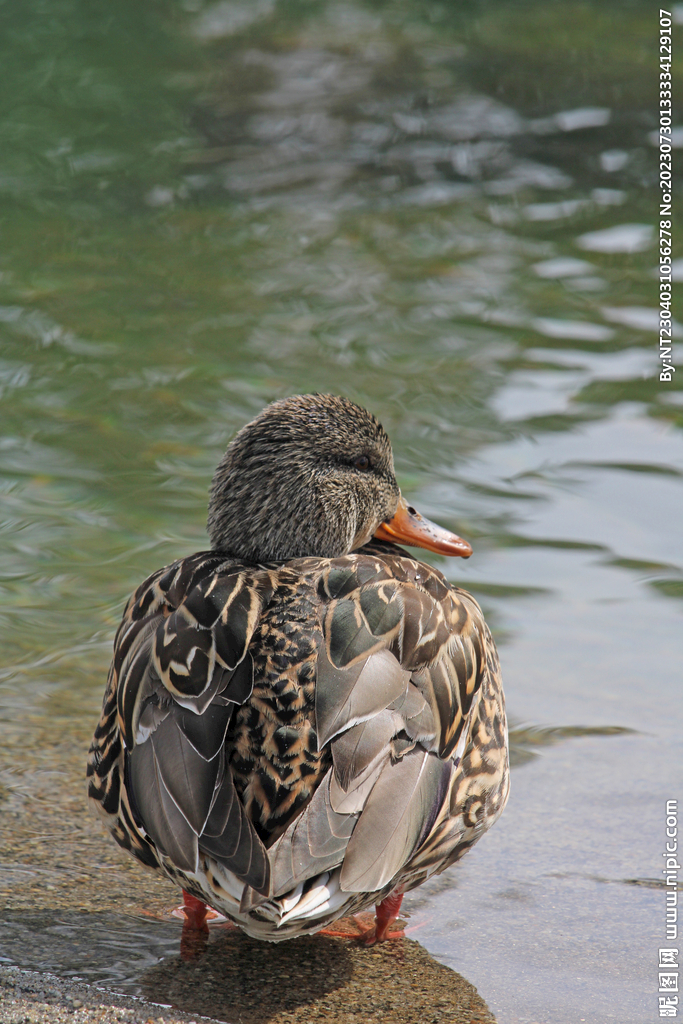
(362, 462)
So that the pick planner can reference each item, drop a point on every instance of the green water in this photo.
(206, 207)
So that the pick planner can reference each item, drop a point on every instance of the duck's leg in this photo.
(196, 913)
(195, 928)
(385, 912)
(360, 927)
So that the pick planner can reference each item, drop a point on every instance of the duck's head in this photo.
(313, 475)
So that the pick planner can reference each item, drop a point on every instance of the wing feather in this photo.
(163, 820)
(315, 842)
(356, 749)
(344, 697)
(199, 645)
(399, 812)
(230, 838)
(182, 674)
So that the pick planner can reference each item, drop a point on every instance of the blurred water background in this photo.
(446, 212)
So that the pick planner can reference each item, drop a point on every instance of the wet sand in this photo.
(315, 979)
(240, 981)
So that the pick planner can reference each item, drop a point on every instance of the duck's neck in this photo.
(261, 525)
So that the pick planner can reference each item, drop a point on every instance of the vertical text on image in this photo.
(667, 368)
(668, 955)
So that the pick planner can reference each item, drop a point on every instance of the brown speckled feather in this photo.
(291, 741)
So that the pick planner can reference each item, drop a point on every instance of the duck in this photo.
(303, 721)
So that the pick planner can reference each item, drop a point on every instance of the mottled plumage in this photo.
(292, 738)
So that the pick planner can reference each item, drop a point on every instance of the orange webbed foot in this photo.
(368, 932)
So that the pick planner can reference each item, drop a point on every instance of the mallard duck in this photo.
(304, 720)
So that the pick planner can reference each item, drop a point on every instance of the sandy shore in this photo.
(312, 980)
(27, 997)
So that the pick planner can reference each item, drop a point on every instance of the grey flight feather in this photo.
(356, 749)
(189, 778)
(417, 716)
(164, 822)
(397, 816)
(344, 697)
(314, 843)
(230, 838)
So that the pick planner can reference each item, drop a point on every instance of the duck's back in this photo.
(322, 724)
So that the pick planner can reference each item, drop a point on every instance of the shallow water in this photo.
(446, 214)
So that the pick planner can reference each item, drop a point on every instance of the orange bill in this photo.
(409, 527)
